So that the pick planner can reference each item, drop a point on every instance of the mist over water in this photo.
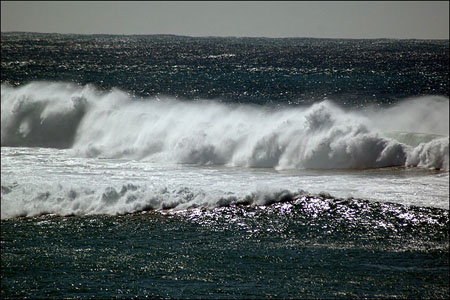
(429, 115)
(320, 136)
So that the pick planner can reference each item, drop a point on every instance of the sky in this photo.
(319, 19)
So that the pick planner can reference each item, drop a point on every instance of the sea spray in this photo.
(41, 114)
(321, 136)
(426, 115)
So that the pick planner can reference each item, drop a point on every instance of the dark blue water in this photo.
(307, 247)
(245, 70)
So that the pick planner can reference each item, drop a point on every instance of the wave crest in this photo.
(67, 200)
(115, 125)
(41, 115)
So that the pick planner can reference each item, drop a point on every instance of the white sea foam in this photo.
(37, 181)
(66, 199)
(322, 136)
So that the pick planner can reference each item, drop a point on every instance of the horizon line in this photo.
(224, 36)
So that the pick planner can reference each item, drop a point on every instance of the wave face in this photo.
(323, 135)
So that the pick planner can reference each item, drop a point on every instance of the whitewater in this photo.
(77, 150)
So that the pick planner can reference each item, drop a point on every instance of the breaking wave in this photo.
(115, 125)
(65, 200)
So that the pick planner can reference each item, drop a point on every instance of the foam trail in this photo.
(114, 125)
(66, 199)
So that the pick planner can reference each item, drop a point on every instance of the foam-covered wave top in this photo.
(115, 125)
(63, 200)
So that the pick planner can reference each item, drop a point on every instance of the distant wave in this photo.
(324, 136)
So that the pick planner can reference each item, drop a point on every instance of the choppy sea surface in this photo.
(181, 167)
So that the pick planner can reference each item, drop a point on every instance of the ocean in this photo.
(162, 166)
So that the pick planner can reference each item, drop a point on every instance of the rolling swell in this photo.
(322, 136)
(369, 249)
(321, 214)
